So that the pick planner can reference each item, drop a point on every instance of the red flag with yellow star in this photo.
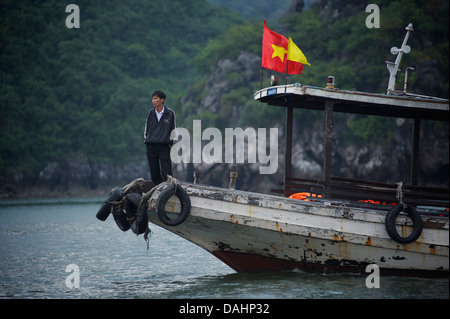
(274, 53)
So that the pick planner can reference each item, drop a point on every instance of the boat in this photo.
(330, 225)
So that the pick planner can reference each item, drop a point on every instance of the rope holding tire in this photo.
(180, 192)
(390, 224)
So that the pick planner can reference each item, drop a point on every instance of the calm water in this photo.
(40, 238)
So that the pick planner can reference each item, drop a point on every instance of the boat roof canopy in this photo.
(308, 97)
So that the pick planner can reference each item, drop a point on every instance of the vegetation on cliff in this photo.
(88, 90)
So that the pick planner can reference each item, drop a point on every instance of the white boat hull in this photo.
(255, 232)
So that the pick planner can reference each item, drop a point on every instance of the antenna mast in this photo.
(393, 66)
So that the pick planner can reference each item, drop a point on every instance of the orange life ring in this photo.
(304, 196)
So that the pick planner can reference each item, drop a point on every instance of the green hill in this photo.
(88, 90)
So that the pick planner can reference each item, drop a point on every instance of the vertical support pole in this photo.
(233, 178)
(197, 176)
(415, 153)
(288, 157)
(328, 144)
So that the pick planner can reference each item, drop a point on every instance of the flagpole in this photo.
(287, 64)
(286, 75)
(262, 69)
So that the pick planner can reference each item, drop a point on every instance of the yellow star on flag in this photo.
(279, 52)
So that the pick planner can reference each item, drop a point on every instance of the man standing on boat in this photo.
(160, 123)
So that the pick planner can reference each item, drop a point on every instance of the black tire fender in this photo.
(161, 202)
(140, 224)
(104, 211)
(131, 204)
(390, 224)
(137, 219)
(121, 220)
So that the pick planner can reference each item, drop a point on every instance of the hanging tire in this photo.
(104, 211)
(131, 204)
(140, 224)
(121, 220)
(390, 224)
(162, 201)
(137, 220)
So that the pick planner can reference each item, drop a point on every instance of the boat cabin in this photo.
(331, 100)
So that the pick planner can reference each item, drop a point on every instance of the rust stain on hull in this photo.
(337, 238)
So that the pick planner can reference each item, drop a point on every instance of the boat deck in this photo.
(362, 192)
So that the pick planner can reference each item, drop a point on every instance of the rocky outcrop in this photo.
(74, 175)
(229, 75)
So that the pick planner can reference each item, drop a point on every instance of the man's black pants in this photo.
(158, 156)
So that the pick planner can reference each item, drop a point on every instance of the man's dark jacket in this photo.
(159, 132)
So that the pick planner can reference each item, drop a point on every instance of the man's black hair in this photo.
(159, 94)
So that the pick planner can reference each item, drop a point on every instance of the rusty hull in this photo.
(257, 232)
